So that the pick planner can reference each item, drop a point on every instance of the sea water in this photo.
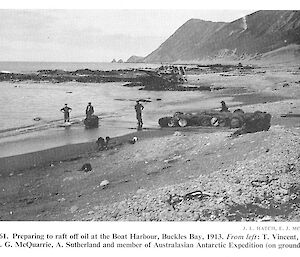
(28, 67)
(21, 103)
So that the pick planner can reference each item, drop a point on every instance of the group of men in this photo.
(89, 111)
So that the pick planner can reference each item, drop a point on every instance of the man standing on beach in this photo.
(89, 111)
(66, 110)
(138, 109)
(224, 108)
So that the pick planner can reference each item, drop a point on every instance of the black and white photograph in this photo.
(150, 115)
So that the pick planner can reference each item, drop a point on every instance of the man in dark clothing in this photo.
(89, 111)
(138, 109)
(224, 107)
(66, 110)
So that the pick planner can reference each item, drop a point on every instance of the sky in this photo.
(93, 35)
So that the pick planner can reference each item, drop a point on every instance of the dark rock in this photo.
(133, 140)
(86, 167)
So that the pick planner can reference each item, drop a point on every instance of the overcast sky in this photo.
(92, 35)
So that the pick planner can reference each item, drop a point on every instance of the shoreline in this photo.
(18, 163)
(251, 96)
(142, 177)
(63, 153)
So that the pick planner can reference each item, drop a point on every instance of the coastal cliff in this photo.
(247, 38)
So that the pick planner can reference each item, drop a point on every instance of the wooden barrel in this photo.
(195, 121)
(222, 122)
(163, 122)
(236, 121)
(173, 123)
(214, 121)
(205, 120)
(182, 122)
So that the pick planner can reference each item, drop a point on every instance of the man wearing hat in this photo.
(89, 111)
(66, 110)
(138, 109)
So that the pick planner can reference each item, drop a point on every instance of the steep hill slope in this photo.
(290, 53)
(135, 59)
(254, 34)
(185, 41)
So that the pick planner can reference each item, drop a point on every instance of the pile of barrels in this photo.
(251, 122)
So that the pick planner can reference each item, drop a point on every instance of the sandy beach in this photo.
(250, 178)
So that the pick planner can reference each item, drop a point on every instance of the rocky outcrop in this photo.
(148, 80)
